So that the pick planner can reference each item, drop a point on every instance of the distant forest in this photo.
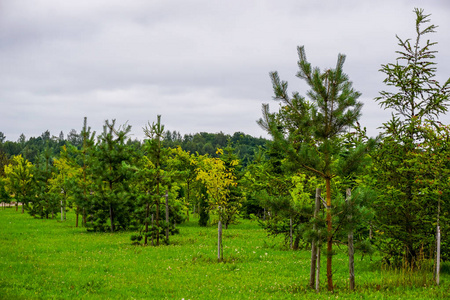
(203, 143)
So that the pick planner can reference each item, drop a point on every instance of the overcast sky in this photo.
(202, 65)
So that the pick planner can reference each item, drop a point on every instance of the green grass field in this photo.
(48, 259)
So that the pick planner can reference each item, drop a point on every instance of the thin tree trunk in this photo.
(438, 244)
(76, 215)
(188, 200)
(167, 216)
(153, 244)
(61, 210)
(329, 236)
(438, 254)
(219, 242)
(351, 251)
(111, 217)
(318, 269)
(147, 212)
(314, 242)
(157, 210)
(290, 232)
(64, 207)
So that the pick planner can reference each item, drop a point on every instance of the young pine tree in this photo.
(310, 130)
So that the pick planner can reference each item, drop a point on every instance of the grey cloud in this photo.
(202, 65)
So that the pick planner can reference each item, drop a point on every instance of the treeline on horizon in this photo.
(202, 143)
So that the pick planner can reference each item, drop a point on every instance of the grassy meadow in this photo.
(49, 259)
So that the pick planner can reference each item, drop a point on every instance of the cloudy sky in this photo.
(202, 65)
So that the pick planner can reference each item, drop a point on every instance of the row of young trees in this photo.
(115, 185)
(387, 193)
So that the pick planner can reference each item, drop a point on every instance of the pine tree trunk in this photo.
(111, 217)
(61, 210)
(314, 242)
(157, 209)
(438, 244)
(290, 232)
(318, 269)
(351, 251)
(219, 242)
(167, 216)
(147, 212)
(153, 244)
(438, 254)
(76, 216)
(329, 236)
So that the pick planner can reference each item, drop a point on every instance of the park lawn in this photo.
(49, 259)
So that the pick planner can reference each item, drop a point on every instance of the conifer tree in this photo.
(310, 130)
(111, 197)
(82, 186)
(156, 154)
(415, 96)
(44, 203)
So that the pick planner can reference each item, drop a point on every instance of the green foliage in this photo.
(310, 130)
(406, 209)
(111, 199)
(418, 94)
(18, 181)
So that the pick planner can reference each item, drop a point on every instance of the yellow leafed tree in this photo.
(18, 179)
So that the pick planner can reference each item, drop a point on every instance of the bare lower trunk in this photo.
(157, 216)
(290, 232)
(65, 218)
(318, 270)
(351, 251)
(329, 236)
(111, 217)
(438, 254)
(147, 212)
(76, 216)
(219, 242)
(438, 244)
(153, 244)
(314, 242)
(167, 216)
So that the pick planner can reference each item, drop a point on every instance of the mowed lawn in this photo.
(49, 259)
